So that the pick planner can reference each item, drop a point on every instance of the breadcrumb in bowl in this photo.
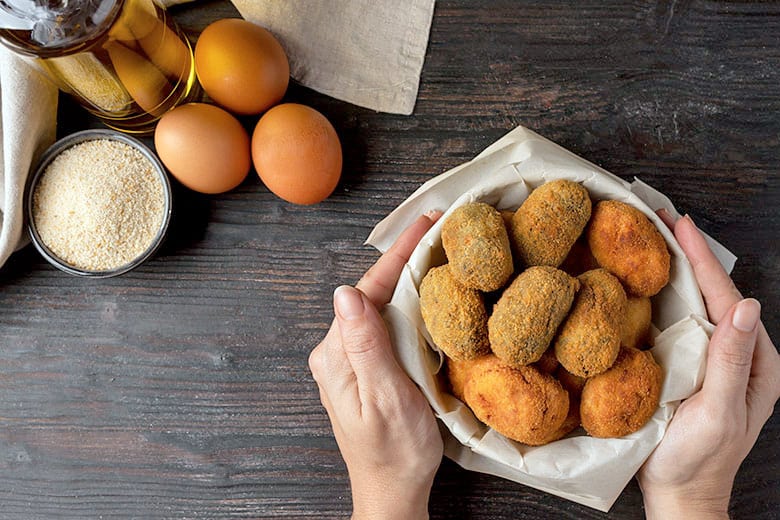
(98, 204)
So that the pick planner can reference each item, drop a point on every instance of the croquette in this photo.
(459, 372)
(525, 318)
(589, 339)
(454, 315)
(627, 244)
(548, 223)
(522, 404)
(476, 243)
(621, 400)
(635, 331)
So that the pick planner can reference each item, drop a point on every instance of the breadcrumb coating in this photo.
(548, 223)
(477, 246)
(525, 318)
(523, 404)
(621, 400)
(453, 314)
(589, 339)
(625, 242)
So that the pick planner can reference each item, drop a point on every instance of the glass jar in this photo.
(125, 61)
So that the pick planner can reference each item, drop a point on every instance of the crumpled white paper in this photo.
(580, 468)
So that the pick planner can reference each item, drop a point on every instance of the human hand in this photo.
(383, 425)
(691, 472)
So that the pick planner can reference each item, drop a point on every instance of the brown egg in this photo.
(241, 66)
(204, 147)
(297, 153)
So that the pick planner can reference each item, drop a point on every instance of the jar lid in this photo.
(38, 25)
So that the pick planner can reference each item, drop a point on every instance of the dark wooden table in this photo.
(181, 390)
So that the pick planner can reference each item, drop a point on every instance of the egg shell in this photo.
(204, 147)
(297, 153)
(241, 66)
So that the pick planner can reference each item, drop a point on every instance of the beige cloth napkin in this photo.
(366, 52)
(27, 127)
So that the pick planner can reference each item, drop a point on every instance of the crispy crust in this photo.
(477, 246)
(454, 315)
(548, 223)
(589, 339)
(525, 318)
(635, 331)
(625, 242)
(621, 400)
(522, 404)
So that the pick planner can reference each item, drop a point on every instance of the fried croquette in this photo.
(522, 404)
(476, 243)
(454, 315)
(625, 242)
(635, 331)
(589, 339)
(525, 318)
(621, 400)
(548, 223)
(459, 372)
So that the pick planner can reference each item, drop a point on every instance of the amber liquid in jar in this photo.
(125, 61)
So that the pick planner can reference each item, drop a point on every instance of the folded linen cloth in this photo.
(27, 127)
(366, 52)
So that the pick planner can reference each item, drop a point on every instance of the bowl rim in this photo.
(69, 141)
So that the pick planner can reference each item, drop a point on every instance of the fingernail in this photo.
(348, 302)
(689, 219)
(746, 315)
(432, 215)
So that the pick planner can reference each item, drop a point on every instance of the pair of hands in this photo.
(391, 444)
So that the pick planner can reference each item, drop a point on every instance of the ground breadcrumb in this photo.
(99, 205)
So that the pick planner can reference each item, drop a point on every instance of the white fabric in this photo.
(27, 127)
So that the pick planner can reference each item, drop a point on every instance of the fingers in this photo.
(666, 217)
(366, 343)
(332, 372)
(730, 356)
(716, 286)
(379, 282)
(764, 386)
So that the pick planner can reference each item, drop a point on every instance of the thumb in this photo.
(364, 339)
(730, 354)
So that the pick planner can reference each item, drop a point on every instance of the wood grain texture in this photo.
(181, 389)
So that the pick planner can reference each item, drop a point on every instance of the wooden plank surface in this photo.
(181, 390)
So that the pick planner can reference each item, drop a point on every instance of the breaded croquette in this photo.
(454, 315)
(522, 404)
(621, 400)
(548, 223)
(459, 372)
(628, 245)
(477, 246)
(525, 318)
(589, 339)
(635, 331)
